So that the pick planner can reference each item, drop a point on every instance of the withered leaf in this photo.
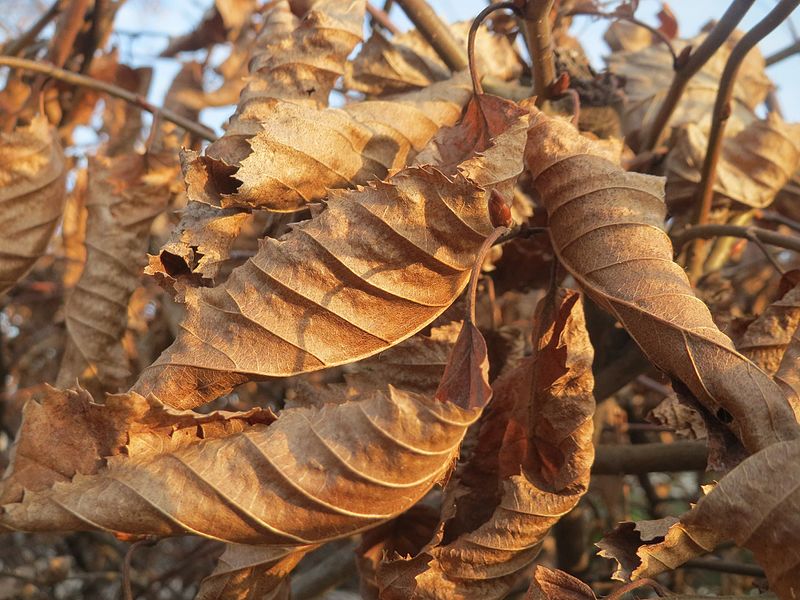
(754, 164)
(649, 72)
(268, 157)
(766, 339)
(788, 374)
(551, 584)
(65, 433)
(32, 195)
(313, 475)
(375, 267)
(756, 505)
(125, 194)
(414, 365)
(245, 572)
(407, 61)
(533, 458)
(607, 230)
(404, 535)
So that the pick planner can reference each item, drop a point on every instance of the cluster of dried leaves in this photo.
(291, 336)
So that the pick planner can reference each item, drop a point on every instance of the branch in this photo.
(634, 459)
(722, 111)
(113, 90)
(630, 19)
(14, 47)
(540, 47)
(782, 54)
(709, 231)
(436, 33)
(724, 566)
(380, 17)
(684, 72)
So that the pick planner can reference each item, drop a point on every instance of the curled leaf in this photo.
(311, 476)
(549, 584)
(754, 165)
(125, 194)
(756, 506)
(648, 73)
(372, 269)
(244, 572)
(32, 195)
(766, 339)
(268, 158)
(407, 61)
(607, 230)
(530, 467)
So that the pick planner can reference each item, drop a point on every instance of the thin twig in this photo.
(724, 566)
(775, 217)
(64, 39)
(630, 19)
(472, 291)
(113, 90)
(761, 246)
(713, 230)
(780, 55)
(16, 46)
(684, 72)
(473, 31)
(127, 592)
(722, 104)
(436, 33)
(524, 231)
(634, 459)
(540, 46)
(719, 119)
(381, 18)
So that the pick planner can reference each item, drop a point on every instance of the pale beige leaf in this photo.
(311, 476)
(550, 584)
(766, 339)
(249, 572)
(756, 505)
(606, 226)
(32, 195)
(375, 267)
(408, 61)
(287, 168)
(649, 72)
(125, 194)
(530, 467)
(788, 374)
(65, 433)
(754, 165)
(283, 148)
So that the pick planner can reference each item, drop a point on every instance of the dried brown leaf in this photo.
(32, 195)
(530, 467)
(125, 194)
(754, 165)
(756, 505)
(375, 267)
(246, 572)
(649, 72)
(788, 374)
(267, 157)
(405, 535)
(766, 339)
(551, 584)
(408, 61)
(607, 230)
(313, 475)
